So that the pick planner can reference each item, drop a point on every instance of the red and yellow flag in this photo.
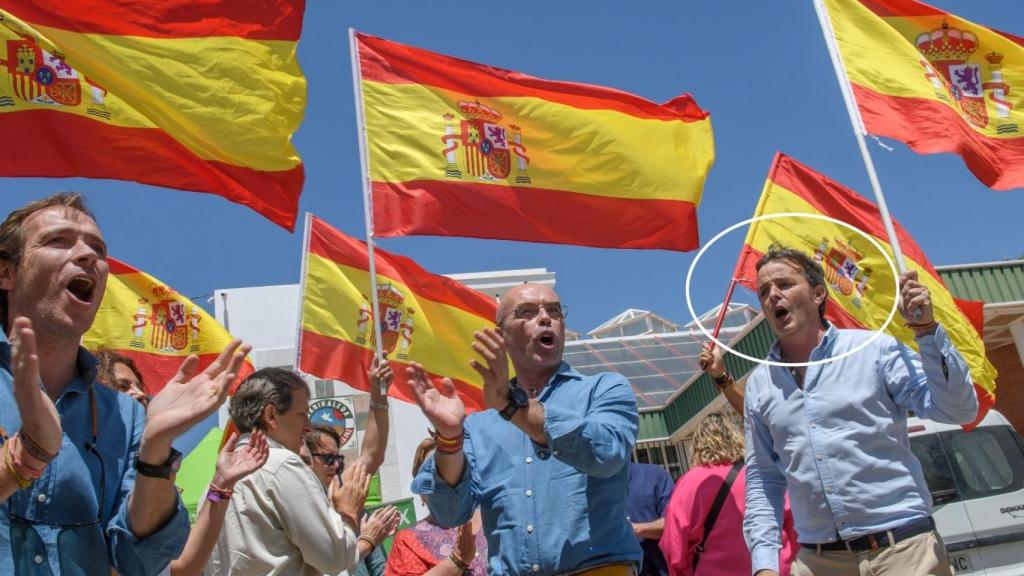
(425, 318)
(200, 96)
(937, 82)
(148, 321)
(860, 282)
(458, 148)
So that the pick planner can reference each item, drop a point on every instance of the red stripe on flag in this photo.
(158, 369)
(341, 360)
(326, 242)
(57, 144)
(394, 63)
(931, 127)
(455, 209)
(251, 19)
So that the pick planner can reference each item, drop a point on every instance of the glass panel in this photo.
(937, 471)
(988, 461)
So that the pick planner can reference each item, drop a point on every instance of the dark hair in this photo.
(105, 362)
(12, 237)
(318, 432)
(274, 386)
(808, 267)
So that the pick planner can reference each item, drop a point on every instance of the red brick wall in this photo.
(1009, 384)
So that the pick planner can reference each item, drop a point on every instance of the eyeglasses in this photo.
(329, 459)
(528, 312)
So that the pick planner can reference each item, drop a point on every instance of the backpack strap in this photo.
(716, 507)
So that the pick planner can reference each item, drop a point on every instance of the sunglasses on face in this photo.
(329, 459)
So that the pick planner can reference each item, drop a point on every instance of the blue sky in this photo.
(760, 68)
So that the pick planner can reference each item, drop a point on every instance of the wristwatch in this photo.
(721, 381)
(165, 471)
(517, 399)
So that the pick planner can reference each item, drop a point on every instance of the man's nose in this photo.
(85, 254)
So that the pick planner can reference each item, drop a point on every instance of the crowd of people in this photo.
(822, 481)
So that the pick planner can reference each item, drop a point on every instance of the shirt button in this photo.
(536, 567)
(820, 457)
(529, 492)
(38, 559)
(529, 460)
(41, 498)
(529, 528)
(828, 489)
(556, 452)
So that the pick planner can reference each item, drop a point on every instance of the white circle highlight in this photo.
(875, 243)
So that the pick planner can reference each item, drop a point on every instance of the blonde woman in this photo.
(717, 447)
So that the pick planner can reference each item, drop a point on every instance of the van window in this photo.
(987, 461)
(937, 471)
(962, 465)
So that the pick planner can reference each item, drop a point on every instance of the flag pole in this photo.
(721, 314)
(302, 288)
(858, 129)
(364, 162)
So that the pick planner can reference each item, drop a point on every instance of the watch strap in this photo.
(164, 471)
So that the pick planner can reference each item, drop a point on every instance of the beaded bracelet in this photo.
(34, 449)
(25, 475)
(450, 445)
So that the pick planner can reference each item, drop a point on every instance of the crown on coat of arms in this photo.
(388, 295)
(947, 43)
(994, 58)
(848, 251)
(478, 111)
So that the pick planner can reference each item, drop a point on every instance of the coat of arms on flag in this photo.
(487, 146)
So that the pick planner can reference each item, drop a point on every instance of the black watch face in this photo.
(518, 396)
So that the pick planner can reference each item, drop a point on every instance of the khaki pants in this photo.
(921, 555)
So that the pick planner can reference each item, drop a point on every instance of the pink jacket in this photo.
(726, 552)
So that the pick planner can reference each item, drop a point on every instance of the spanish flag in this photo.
(193, 95)
(148, 321)
(937, 82)
(424, 318)
(860, 282)
(458, 148)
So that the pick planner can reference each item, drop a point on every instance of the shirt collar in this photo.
(827, 341)
(85, 369)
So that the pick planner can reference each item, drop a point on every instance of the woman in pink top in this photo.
(717, 445)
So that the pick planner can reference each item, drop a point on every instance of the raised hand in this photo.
(189, 397)
(235, 463)
(381, 376)
(914, 297)
(349, 495)
(491, 345)
(39, 418)
(442, 407)
(712, 360)
(381, 524)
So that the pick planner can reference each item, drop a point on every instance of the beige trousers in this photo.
(921, 555)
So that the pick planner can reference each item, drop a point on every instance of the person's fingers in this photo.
(229, 446)
(484, 371)
(187, 369)
(223, 359)
(448, 388)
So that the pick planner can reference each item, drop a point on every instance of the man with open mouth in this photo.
(835, 433)
(546, 463)
(93, 490)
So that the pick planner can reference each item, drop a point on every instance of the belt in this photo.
(878, 539)
(605, 570)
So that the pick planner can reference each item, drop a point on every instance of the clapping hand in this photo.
(39, 418)
(235, 463)
(491, 345)
(442, 407)
(381, 524)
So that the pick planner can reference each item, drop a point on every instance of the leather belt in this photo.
(878, 539)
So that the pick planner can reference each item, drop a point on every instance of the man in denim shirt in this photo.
(96, 492)
(547, 463)
(835, 434)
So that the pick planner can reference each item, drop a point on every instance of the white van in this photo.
(977, 484)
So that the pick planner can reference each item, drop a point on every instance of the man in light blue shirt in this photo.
(835, 434)
(95, 492)
(547, 463)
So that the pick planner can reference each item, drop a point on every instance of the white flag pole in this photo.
(302, 288)
(364, 161)
(858, 128)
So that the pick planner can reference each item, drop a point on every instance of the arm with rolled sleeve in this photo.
(150, 555)
(920, 383)
(766, 489)
(599, 442)
(326, 542)
(451, 506)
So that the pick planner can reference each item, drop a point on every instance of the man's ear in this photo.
(820, 294)
(269, 417)
(8, 272)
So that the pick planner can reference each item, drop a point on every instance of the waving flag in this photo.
(193, 95)
(425, 318)
(937, 82)
(860, 282)
(458, 148)
(144, 319)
